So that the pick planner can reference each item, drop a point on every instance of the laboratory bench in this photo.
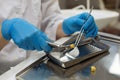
(108, 68)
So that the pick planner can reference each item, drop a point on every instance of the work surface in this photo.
(108, 68)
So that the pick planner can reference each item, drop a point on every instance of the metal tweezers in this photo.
(82, 30)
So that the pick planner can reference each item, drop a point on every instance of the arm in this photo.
(3, 42)
(5, 11)
(59, 32)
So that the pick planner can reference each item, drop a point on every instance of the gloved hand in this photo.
(25, 35)
(73, 24)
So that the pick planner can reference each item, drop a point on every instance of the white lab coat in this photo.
(45, 14)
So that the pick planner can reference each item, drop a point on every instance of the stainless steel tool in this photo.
(64, 48)
(75, 51)
(109, 37)
(82, 29)
(55, 45)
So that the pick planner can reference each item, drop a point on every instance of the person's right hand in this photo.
(25, 35)
(74, 23)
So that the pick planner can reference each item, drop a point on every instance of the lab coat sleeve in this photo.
(51, 17)
(4, 10)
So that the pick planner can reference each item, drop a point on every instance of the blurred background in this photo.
(106, 12)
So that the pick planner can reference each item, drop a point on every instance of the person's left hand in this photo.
(73, 24)
(25, 35)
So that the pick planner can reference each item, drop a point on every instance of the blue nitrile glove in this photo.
(25, 35)
(73, 24)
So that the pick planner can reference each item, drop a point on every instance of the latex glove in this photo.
(25, 35)
(73, 24)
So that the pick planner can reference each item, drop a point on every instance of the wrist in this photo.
(3, 42)
(60, 33)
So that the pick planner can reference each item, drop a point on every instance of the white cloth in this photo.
(45, 14)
